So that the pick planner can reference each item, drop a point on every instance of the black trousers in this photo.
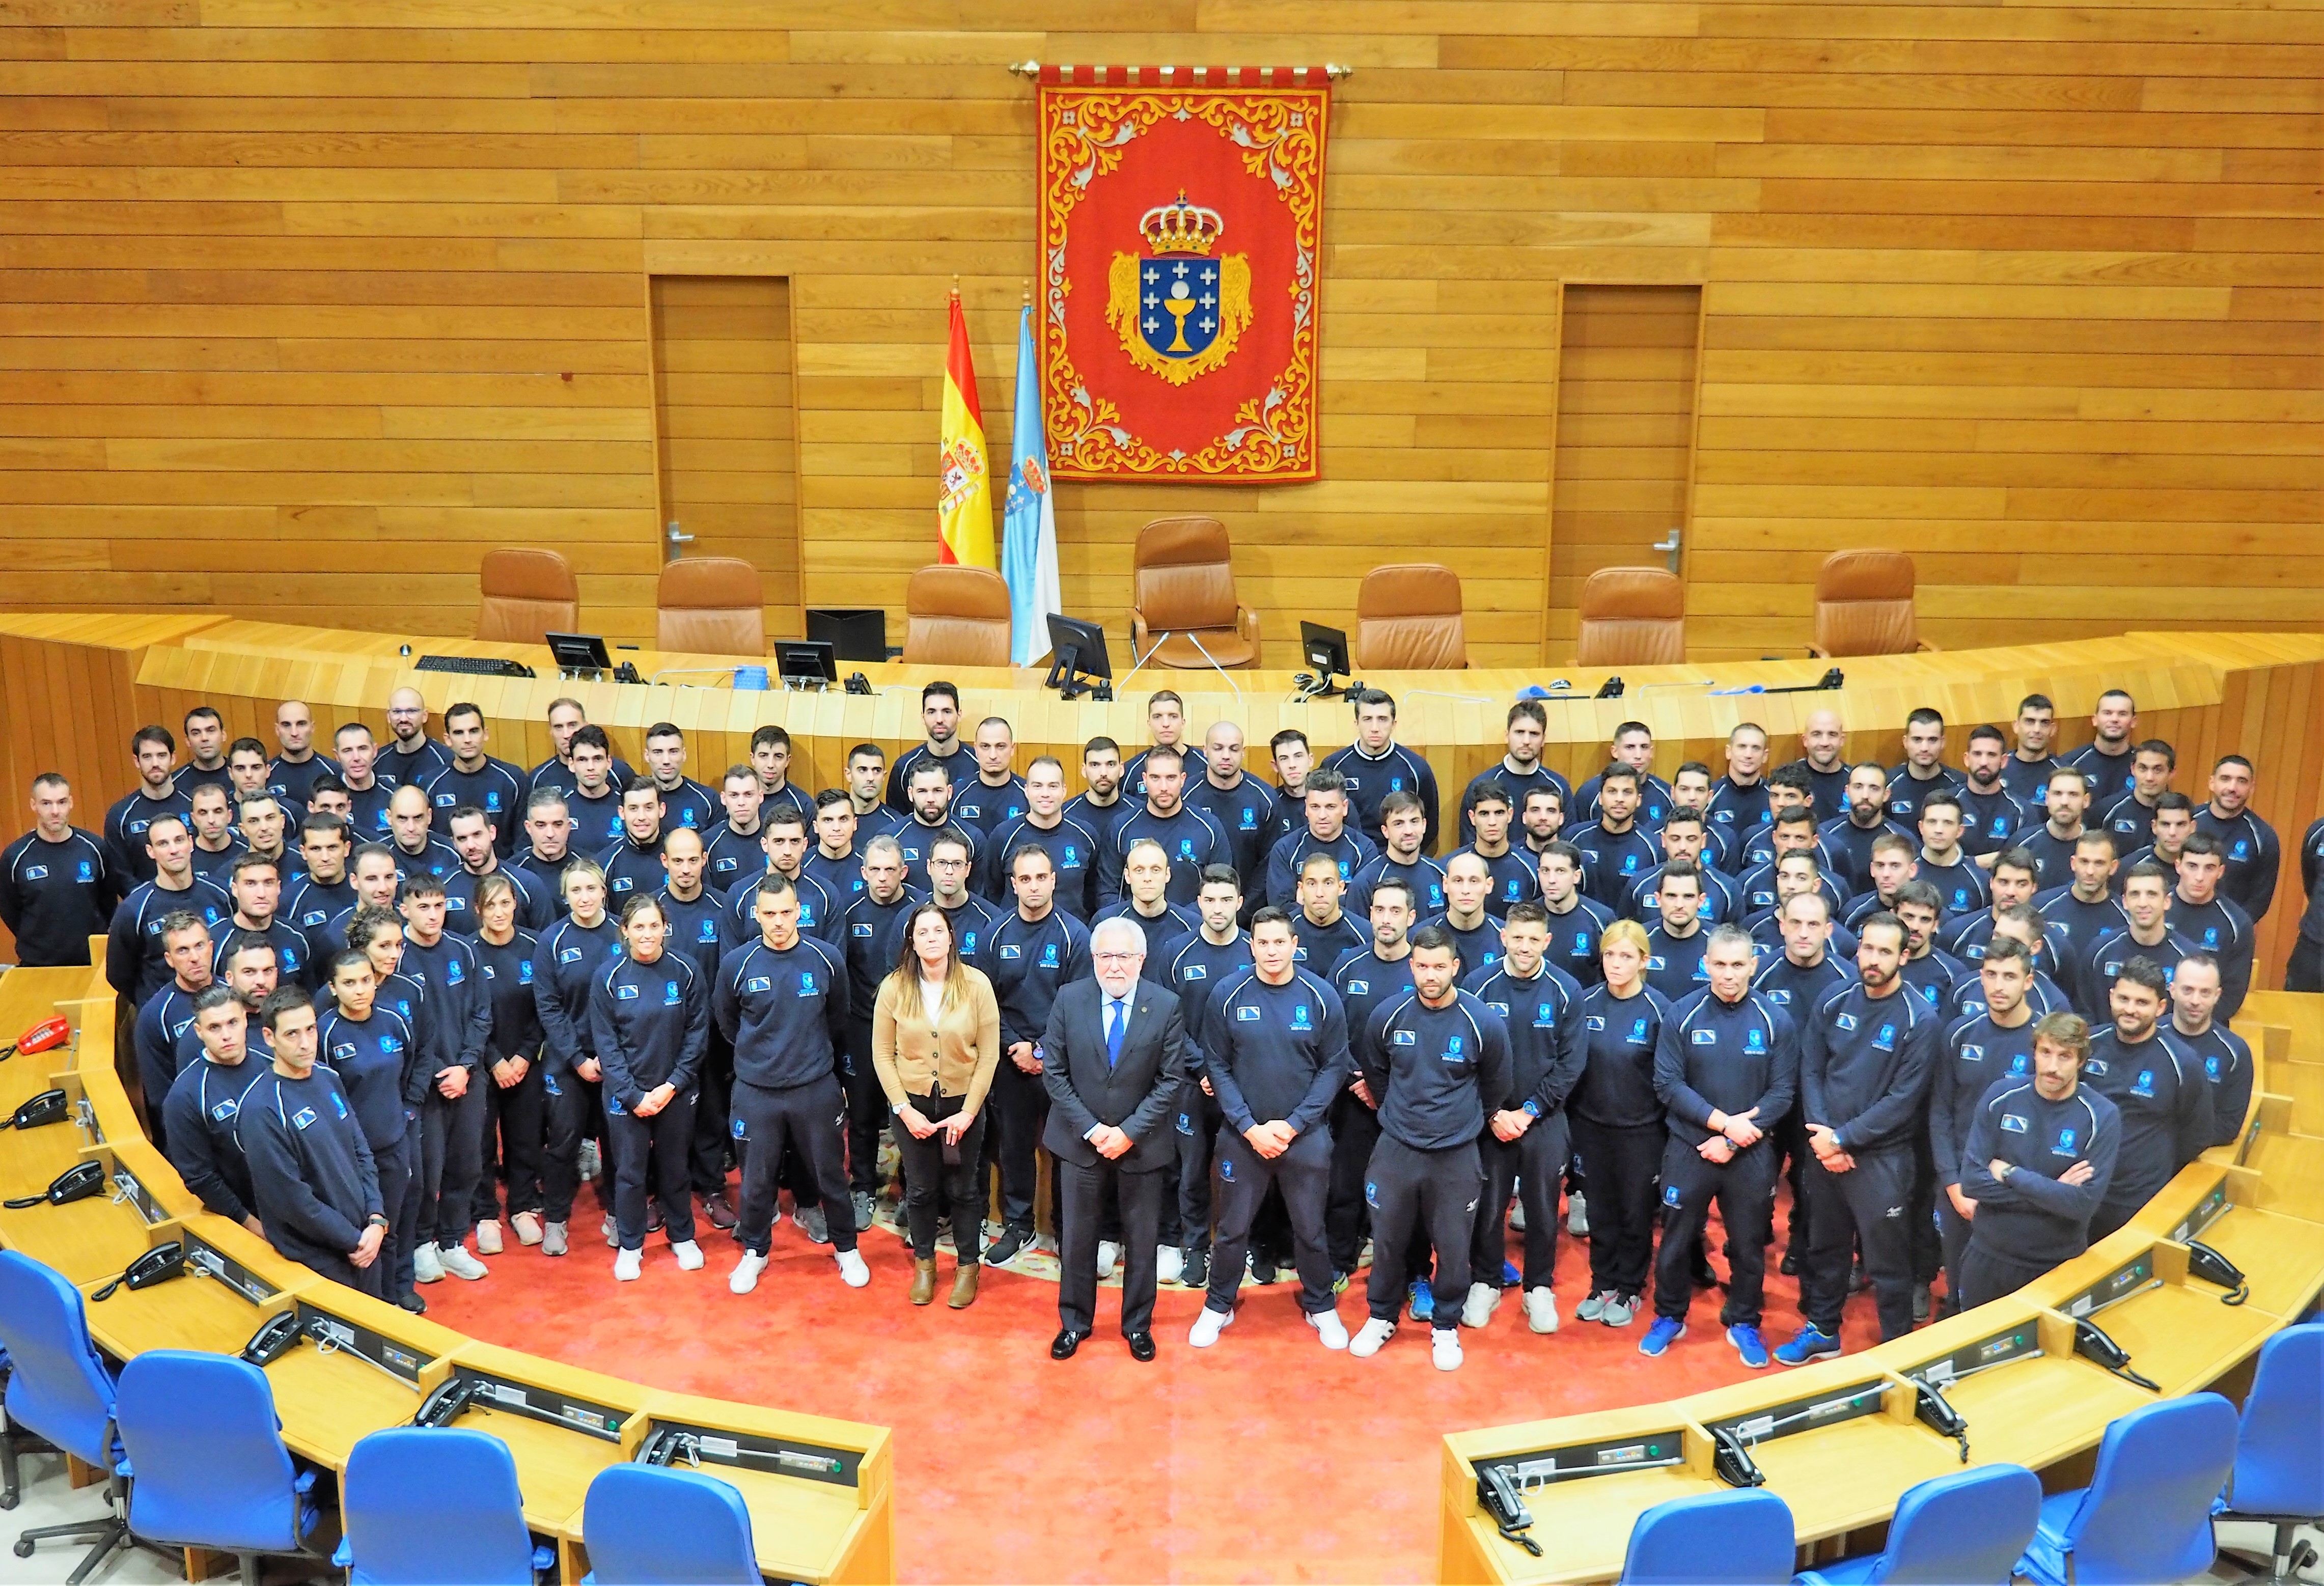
(1622, 1162)
(1790, 1137)
(1199, 1121)
(1921, 1209)
(398, 1165)
(570, 1104)
(713, 1109)
(1985, 1276)
(1744, 1190)
(1436, 1190)
(1532, 1165)
(369, 1280)
(1867, 1206)
(2304, 971)
(1303, 1173)
(810, 1120)
(2112, 1216)
(930, 1179)
(663, 1141)
(1141, 1195)
(1019, 1104)
(515, 1125)
(867, 1110)
(451, 1158)
(1347, 1219)
(1954, 1235)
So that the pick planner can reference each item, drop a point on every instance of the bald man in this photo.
(294, 770)
(410, 757)
(1243, 805)
(1824, 743)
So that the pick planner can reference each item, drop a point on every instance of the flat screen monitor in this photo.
(1077, 651)
(1326, 649)
(806, 661)
(579, 652)
(855, 633)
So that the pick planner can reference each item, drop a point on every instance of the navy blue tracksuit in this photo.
(1730, 1057)
(784, 1011)
(377, 1059)
(204, 1109)
(565, 960)
(1194, 966)
(1028, 962)
(2028, 1222)
(1543, 1016)
(1975, 1054)
(2158, 1087)
(649, 1023)
(312, 1177)
(452, 1144)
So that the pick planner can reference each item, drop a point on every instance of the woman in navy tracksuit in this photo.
(649, 1015)
(513, 1100)
(369, 1047)
(565, 960)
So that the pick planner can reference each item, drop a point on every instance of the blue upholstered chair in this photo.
(650, 1525)
(61, 1390)
(435, 1505)
(2146, 1513)
(1739, 1538)
(2279, 1478)
(1965, 1529)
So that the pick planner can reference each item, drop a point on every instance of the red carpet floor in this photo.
(1264, 1458)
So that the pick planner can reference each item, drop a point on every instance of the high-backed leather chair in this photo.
(1632, 617)
(711, 604)
(528, 593)
(1408, 620)
(956, 616)
(1184, 595)
(1864, 605)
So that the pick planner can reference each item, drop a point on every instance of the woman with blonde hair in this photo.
(1618, 1129)
(936, 1042)
(564, 961)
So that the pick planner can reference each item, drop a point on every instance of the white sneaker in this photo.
(1541, 1310)
(1169, 1263)
(455, 1259)
(525, 1225)
(625, 1266)
(688, 1254)
(1484, 1299)
(488, 1237)
(1329, 1328)
(1207, 1327)
(852, 1272)
(1370, 1337)
(1445, 1349)
(1577, 1217)
(425, 1265)
(745, 1276)
(1108, 1254)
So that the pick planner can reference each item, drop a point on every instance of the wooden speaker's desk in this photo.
(1650, 1453)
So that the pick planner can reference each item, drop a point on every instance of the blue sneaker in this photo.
(1665, 1331)
(1424, 1303)
(1749, 1345)
(1510, 1275)
(1810, 1343)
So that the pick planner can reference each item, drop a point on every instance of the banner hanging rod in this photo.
(1164, 76)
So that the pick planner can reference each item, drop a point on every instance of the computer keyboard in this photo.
(477, 665)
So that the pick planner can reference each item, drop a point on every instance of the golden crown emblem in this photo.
(1181, 227)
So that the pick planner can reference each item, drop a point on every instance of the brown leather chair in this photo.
(1864, 605)
(710, 604)
(528, 593)
(1632, 617)
(1184, 595)
(1408, 620)
(957, 617)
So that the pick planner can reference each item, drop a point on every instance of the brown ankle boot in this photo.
(963, 1287)
(923, 1281)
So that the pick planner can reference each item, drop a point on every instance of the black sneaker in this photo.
(1262, 1268)
(1196, 1273)
(411, 1301)
(1014, 1238)
(1704, 1278)
(1790, 1265)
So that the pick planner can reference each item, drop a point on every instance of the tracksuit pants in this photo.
(1303, 1173)
(810, 1120)
(1019, 1105)
(1988, 1276)
(398, 1165)
(664, 1141)
(713, 1107)
(1622, 1162)
(571, 1105)
(515, 1123)
(867, 1110)
(1952, 1234)
(1199, 1121)
(451, 1158)
(1408, 1188)
(1744, 1190)
(1347, 1219)
(1869, 1206)
(1531, 1166)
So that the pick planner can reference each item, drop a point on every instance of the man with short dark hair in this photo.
(1072, 848)
(566, 719)
(632, 861)
(2146, 908)
(770, 767)
(931, 795)
(2247, 844)
(685, 804)
(1924, 770)
(313, 1182)
(1403, 827)
(245, 780)
(206, 751)
(2050, 844)
(995, 795)
(1520, 771)
(1615, 845)
(1324, 830)
(2106, 760)
(154, 753)
(2156, 1083)
(1682, 838)
(782, 845)
(255, 886)
(135, 962)
(2084, 911)
(732, 848)
(2026, 772)
(1541, 815)
(1514, 868)
(1575, 921)
(873, 918)
(1196, 966)
(167, 1014)
(451, 1112)
(203, 1110)
(2225, 1057)
(1376, 765)
(1100, 807)
(1943, 862)
(549, 841)
(1165, 728)
(470, 777)
(1674, 943)
(1632, 745)
(940, 721)
(1986, 1048)
(833, 859)
(1324, 932)
(2040, 1158)
(1739, 800)
(2205, 919)
(2131, 817)
(1990, 813)
(864, 778)
(368, 792)
(593, 801)
(1367, 981)
(2173, 823)
(1032, 952)
(1848, 837)
(1788, 788)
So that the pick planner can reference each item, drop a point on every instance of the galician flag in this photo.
(964, 492)
(1028, 549)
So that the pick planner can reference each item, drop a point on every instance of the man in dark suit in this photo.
(1113, 1060)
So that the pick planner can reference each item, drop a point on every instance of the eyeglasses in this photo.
(1115, 957)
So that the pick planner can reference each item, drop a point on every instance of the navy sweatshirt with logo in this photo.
(1730, 1057)
(1543, 1015)
(1276, 1053)
(784, 1010)
(649, 1023)
(1864, 1062)
(1433, 1067)
(2029, 1216)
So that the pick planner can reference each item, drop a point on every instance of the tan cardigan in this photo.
(957, 1058)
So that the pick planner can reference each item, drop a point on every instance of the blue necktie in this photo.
(1113, 1023)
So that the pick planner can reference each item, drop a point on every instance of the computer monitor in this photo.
(1326, 650)
(855, 633)
(805, 663)
(579, 654)
(1078, 660)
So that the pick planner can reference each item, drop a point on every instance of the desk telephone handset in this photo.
(47, 1107)
(275, 1339)
(2091, 1341)
(75, 1183)
(1732, 1462)
(1505, 1506)
(2207, 1264)
(1933, 1411)
(51, 1033)
(668, 1445)
(444, 1406)
(158, 1264)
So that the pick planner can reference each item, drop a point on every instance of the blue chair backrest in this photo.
(2280, 1449)
(60, 1388)
(1739, 1538)
(435, 1506)
(649, 1525)
(1965, 1529)
(2146, 1515)
(202, 1437)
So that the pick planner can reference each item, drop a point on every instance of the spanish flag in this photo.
(964, 496)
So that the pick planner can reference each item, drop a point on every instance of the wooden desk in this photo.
(555, 1463)
(2277, 1254)
(1583, 1524)
(88, 1240)
(190, 1313)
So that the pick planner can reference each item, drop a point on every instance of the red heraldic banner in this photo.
(1180, 235)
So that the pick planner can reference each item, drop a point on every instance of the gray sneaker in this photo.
(1592, 1309)
(552, 1239)
(590, 1164)
(818, 1226)
(1577, 1217)
(864, 1209)
(1618, 1310)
